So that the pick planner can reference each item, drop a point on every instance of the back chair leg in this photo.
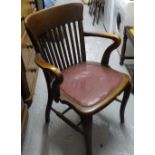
(48, 109)
(95, 13)
(99, 11)
(89, 2)
(87, 126)
(92, 5)
(124, 101)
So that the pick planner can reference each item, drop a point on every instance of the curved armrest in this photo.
(51, 68)
(114, 45)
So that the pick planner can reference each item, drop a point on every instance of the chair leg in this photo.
(87, 126)
(95, 14)
(98, 16)
(122, 56)
(124, 101)
(48, 109)
(89, 2)
(92, 5)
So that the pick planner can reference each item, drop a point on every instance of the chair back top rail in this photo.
(57, 33)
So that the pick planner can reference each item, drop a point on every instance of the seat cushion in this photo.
(87, 84)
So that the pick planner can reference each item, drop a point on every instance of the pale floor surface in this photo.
(109, 137)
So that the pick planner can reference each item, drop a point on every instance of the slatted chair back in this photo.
(57, 34)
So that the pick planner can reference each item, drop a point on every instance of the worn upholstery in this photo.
(88, 84)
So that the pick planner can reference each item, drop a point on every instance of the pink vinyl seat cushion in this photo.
(88, 84)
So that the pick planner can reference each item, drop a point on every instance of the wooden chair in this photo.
(86, 87)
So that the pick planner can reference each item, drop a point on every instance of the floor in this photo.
(109, 136)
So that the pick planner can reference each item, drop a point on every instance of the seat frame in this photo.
(53, 85)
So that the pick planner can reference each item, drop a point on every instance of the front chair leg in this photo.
(124, 101)
(87, 126)
(48, 109)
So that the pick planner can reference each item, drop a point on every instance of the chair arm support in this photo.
(114, 45)
(49, 67)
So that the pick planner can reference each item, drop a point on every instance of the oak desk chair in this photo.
(86, 87)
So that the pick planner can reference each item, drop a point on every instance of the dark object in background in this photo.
(41, 4)
(24, 119)
(130, 68)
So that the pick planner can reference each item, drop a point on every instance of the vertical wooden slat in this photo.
(72, 43)
(67, 44)
(63, 45)
(40, 49)
(48, 49)
(51, 50)
(77, 43)
(57, 41)
(43, 49)
(47, 52)
(82, 40)
(55, 49)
